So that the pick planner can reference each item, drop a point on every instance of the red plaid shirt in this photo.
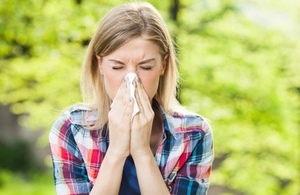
(184, 156)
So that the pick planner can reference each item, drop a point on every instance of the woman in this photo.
(102, 148)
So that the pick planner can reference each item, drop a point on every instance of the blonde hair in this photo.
(120, 25)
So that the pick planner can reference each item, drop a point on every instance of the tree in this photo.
(241, 75)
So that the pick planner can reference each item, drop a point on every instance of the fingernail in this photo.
(134, 84)
(125, 80)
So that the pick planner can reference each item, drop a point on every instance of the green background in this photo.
(239, 67)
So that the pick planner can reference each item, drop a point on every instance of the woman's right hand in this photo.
(119, 123)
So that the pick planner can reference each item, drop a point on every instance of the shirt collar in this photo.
(167, 122)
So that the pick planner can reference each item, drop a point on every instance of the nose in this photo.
(132, 69)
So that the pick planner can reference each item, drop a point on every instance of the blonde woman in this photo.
(131, 136)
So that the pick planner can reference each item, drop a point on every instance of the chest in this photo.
(156, 140)
(92, 151)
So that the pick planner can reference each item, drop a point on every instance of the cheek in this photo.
(150, 85)
(112, 83)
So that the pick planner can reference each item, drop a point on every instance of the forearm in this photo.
(149, 177)
(109, 177)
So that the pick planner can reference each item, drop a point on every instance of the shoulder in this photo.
(184, 120)
(78, 114)
(82, 114)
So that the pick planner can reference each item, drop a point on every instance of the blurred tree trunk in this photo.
(173, 11)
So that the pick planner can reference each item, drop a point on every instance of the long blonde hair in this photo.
(120, 25)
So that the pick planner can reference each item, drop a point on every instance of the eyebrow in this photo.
(146, 61)
(142, 62)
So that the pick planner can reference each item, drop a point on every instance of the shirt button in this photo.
(170, 188)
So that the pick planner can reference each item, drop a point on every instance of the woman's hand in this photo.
(119, 123)
(142, 124)
(148, 173)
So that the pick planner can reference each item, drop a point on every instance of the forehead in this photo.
(137, 48)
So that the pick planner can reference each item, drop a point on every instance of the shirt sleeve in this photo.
(70, 175)
(193, 177)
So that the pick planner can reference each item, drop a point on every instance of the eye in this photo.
(146, 67)
(117, 67)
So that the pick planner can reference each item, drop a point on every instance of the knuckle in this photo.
(110, 115)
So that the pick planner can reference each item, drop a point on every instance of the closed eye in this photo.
(117, 67)
(147, 64)
(146, 67)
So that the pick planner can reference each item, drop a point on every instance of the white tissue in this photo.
(130, 79)
(130, 83)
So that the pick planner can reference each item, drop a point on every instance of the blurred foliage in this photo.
(239, 65)
(16, 184)
(21, 155)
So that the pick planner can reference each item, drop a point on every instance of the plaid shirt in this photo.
(184, 157)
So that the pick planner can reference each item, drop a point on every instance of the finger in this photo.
(121, 108)
(128, 111)
(122, 96)
(138, 98)
(142, 98)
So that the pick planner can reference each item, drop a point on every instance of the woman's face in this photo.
(139, 56)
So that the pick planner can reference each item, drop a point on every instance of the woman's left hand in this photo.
(142, 124)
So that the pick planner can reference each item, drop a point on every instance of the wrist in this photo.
(143, 156)
(115, 156)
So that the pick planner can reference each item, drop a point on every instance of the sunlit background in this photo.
(239, 65)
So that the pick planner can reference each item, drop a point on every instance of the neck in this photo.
(157, 130)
